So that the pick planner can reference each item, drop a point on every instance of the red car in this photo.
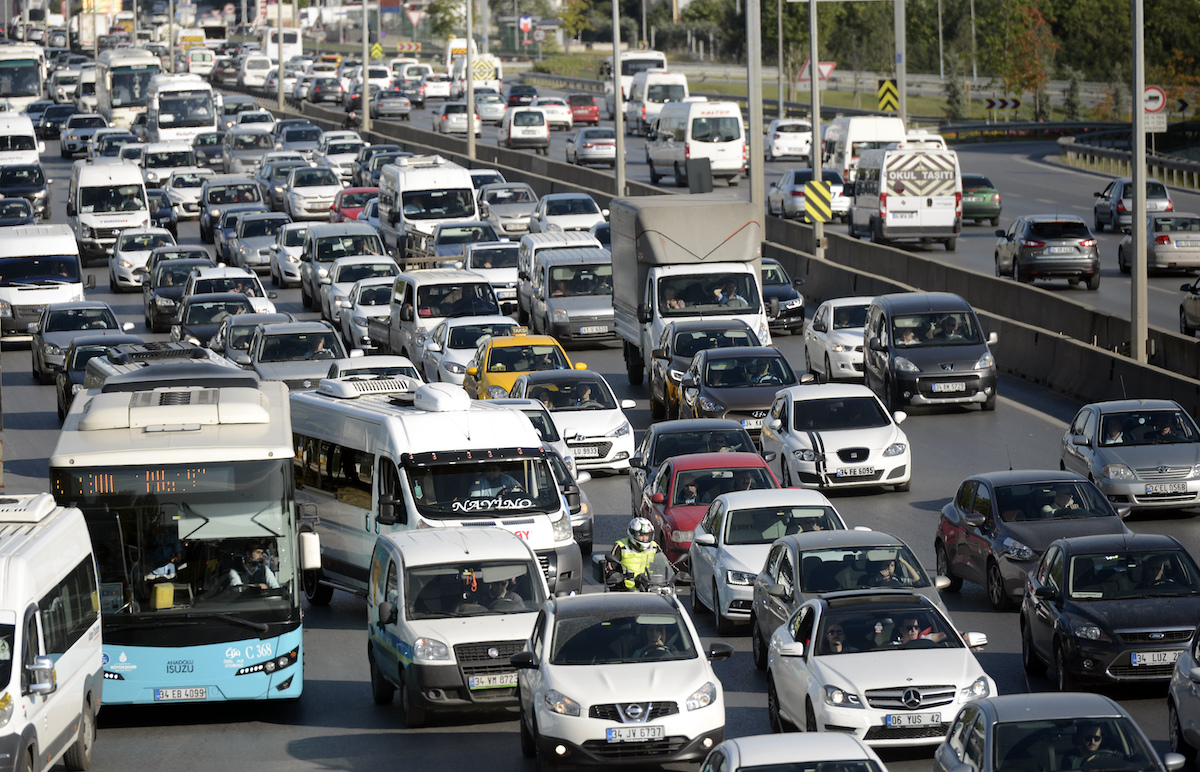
(349, 202)
(584, 109)
(684, 487)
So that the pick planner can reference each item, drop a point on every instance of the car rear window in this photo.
(1171, 224)
(1155, 190)
(581, 100)
(1059, 230)
(975, 182)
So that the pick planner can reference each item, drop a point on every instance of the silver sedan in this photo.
(592, 146)
(1172, 243)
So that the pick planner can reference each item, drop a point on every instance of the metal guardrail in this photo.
(1017, 130)
(1177, 173)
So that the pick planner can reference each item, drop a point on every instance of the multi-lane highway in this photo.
(335, 725)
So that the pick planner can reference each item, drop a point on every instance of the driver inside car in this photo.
(493, 483)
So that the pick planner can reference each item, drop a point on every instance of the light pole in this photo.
(170, 36)
(366, 69)
(754, 101)
(941, 55)
(470, 71)
(1138, 312)
(779, 42)
(619, 112)
(279, 51)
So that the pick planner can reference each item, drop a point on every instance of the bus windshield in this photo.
(186, 109)
(168, 159)
(458, 491)
(20, 78)
(130, 83)
(43, 269)
(175, 538)
(438, 204)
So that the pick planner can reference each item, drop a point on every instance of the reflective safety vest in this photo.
(635, 562)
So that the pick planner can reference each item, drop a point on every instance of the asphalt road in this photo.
(335, 725)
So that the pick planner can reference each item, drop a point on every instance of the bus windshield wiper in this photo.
(259, 626)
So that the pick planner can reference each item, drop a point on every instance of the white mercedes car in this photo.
(837, 435)
(833, 339)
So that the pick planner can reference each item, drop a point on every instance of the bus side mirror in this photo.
(42, 678)
(310, 551)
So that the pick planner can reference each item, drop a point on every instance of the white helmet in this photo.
(641, 534)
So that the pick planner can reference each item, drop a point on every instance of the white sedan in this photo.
(566, 212)
(558, 112)
(343, 273)
(837, 435)
(368, 299)
(793, 752)
(587, 414)
(833, 340)
(452, 343)
(887, 668)
(731, 542)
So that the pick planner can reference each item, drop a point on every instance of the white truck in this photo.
(680, 260)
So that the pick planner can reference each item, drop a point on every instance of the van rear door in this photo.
(921, 190)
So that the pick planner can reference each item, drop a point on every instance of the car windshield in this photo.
(168, 159)
(81, 319)
(709, 294)
(208, 140)
(954, 329)
(510, 194)
(143, 242)
(467, 336)
(238, 193)
(300, 346)
(887, 628)
(839, 414)
(1154, 189)
(1177, 223)
(687, 343)
(860, 568)
(253, 141)
(574, 280)
(581, 100)
(462, 489)
(21, 176)
(213, 312)
(78, 360)
(529, 118)
(850, 317)
(302, 134)
(305, 177)
(1128, 574)
(168, 275)
(739, 372)
(261, 227)
(1065, 500)
(380, 295)
(717, 129)
(358, 199)
(230, 220)
(701, 486)
(1147, 427)
(562, 207)
(763, 525)
(1029, 744)
(792, 128)
(330, 248)
(112, 198)
(86, 122)
(616, 637)
(294, 237)
(500, 256)
(573, 395)
(15, 208)
(666, 92)
(343, 148)
(348, 274)
(468, 299)
(523, 359)
(1059, 229)
(281, 171)
(774, 276)
(976, 182)
(472, 589)
(437, 204)
(669, 445)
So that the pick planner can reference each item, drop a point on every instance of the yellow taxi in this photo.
(500, 360)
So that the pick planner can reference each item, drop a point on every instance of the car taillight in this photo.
(1121, 205)
(588, 145)
(996, 197)
(1170, 207)
(883, 204)
(687, 150)
(797, 192)
(775, 137)
(1163, 240)
(1032, 243)
(444, 116)
(1088, 243)
(958, 204)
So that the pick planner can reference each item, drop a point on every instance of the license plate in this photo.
(972, 199)
(634, 734)
(1166, 488)
(172, 695)
(529, 132)
(1187, 243)
(856, 471)
(501, 681)
(752, 423)
(1062, 250)
(914, 719)
(1151, 658)
(593, 330)
(586, 451)
(949, 386)
(904, 215)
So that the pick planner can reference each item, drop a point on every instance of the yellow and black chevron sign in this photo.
(816, 201)
(889, 97)
(921, 174)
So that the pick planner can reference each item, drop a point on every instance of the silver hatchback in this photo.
(1048, 247)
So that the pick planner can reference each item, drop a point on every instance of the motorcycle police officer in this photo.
(635, 552)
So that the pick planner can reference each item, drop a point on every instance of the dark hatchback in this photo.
(208, 146)
(49, 126)
(325, 90)
(84, 348)
(29, 182)
(199, 316)
(224, 73)
(162, 288)
(1113, 609)
(668, 439)
(739, 384)
(520, 95)
(677, 345)
(162, 214)
(778, 286)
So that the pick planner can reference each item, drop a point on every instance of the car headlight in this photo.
(497, 392)
(895, 449)
(6, 709)
(561, 703)
(560, 316)
(88, 232)
(291, 259)
(1090, 632)
(49, 349)
(430, 649)
(164, 303)
(708, 406)
(358, 321)
(675, 375)
(740, 578)
(985, 362)
(6, 311)
(977, 690)
(1014, 549)
(794, 303)
(152, 176)
(1117, 473)
(841, 347)
(455, 368)
(681, 537)
(805, 454)
(214, 212)
(562, 527)
(622, 430)
(41, 193)
(904, 365)
(702, 697)
(840, 698)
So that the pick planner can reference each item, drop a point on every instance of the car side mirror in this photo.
(571, 494)
(658, 498)
(406, 313)
(774, 424)
(688, 382)
(877, 345)
(1186, 288)
(777, 590)
(941, 582)
(791, 650)
(659, 353)
(473, 372)
(797, 283)
(33, 327)
(1096, 194)
(241, 359)
(975, 640)
(71, 211)
(637, 462)
(272, 296)
(1079, 439)
(127, 327)
(1045, 593)
(628, 404)
(899, 416)
(719, 650)
(90, 283)
(993, 338)
(643, 313)
(1000, 234)
(706, 540)
(819, 326)
(975, 520)
(604, 213)
(387, 614)
(42, 678)
(387, 511)
(523, 660)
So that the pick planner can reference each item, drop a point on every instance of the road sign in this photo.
(824, 70)
(1003, 104)
(525, 23)
(414, 17)
(816, 201)
(889, 96)
(376, 51)
(1155, 123)
(1154, 99)
(1181, 105)
(408, 48)
(539, 35)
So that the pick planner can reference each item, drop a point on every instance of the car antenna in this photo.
(1008, 451)
(1124, 395)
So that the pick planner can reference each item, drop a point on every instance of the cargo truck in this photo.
(675, 260)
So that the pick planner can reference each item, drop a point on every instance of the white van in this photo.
(533, 243)
(51, 662)
(85, 91)
(523, 127)
(476, 591)
(104, 200)
(848, 138)
(910, 191)
(697, 129)
(377, 456)
(648, 93)
(253, 73)
(39, 265)
(200, 61)
(419, 193)
(18, 141)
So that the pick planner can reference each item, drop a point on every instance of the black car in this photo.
(738, 383)
(778, 286)
(412, 89)
(1114, 609)
(49, 126)
(224, 73)
(200, 315)
(109, 146)
(162, 214)
(667, 439)
(520, 95)
(355, 101)
(362, 165)
(999, 524)
(676, 346)
(16, 211)
(325, 90)
(29, 182)
(84, 348)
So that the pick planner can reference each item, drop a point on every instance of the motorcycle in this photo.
(660, 576)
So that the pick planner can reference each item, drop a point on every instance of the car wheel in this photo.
(657, 408)
(1063, 678)
(1184, 329)
(785, 473)
(317, 594)
(773, 717)
(1093, 282)
(999, 273)
(528, 744)
(943, 568)
(810, 717)
(654, 175)
(724, 624)
(1099, 225)
(680, 182)
(1029, 658)
(903, 487)
(995, 221)
(382, 690)
(989, 404)
(79, 755)
(828, 374)
(697, 604)
(44, 377)
(951, 244)
(997, 596)
(1175, 733)
(757, 645)
(305, 299)
(413, 715)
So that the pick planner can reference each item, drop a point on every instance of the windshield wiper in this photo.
(259, 626)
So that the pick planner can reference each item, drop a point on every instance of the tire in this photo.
(1063, 680)
(725, 625)
(943, 568)
(657, 409)
(828, 374)
(1099, 225)
(1124, 266)
(382, 690)
(995, 588)
(734, 181)
(758, 646)
(1184, 329)
(951, 244)
(414, 716)
(785, 474)
(1093, 282)
(989, 404)
(79, 756)
(680, 182)
(810, 717)
(995, 221)
(522, 317)
(773, 717)
(305, 299)
(903, 487)
(25, 763)
(1175, 733)
(1017, 275)
(528, 743)
(317, 594)
(1029, 659)
(999, 273)
(633, 369)
(697, 605)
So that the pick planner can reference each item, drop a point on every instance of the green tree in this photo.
(576, 17)
(1073, 104)
(446, 18)
(952, 88)
(1021, 54)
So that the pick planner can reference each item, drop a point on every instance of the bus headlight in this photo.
(6, 709)
(273, 664)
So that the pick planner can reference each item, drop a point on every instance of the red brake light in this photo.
(996, 197)
(1163, 240)
(1032, 243)
(1088, 243)
(958, 203)
(687, 150)
(883, 203)
(797, 192)
(1170, 206)
(1121, 205)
